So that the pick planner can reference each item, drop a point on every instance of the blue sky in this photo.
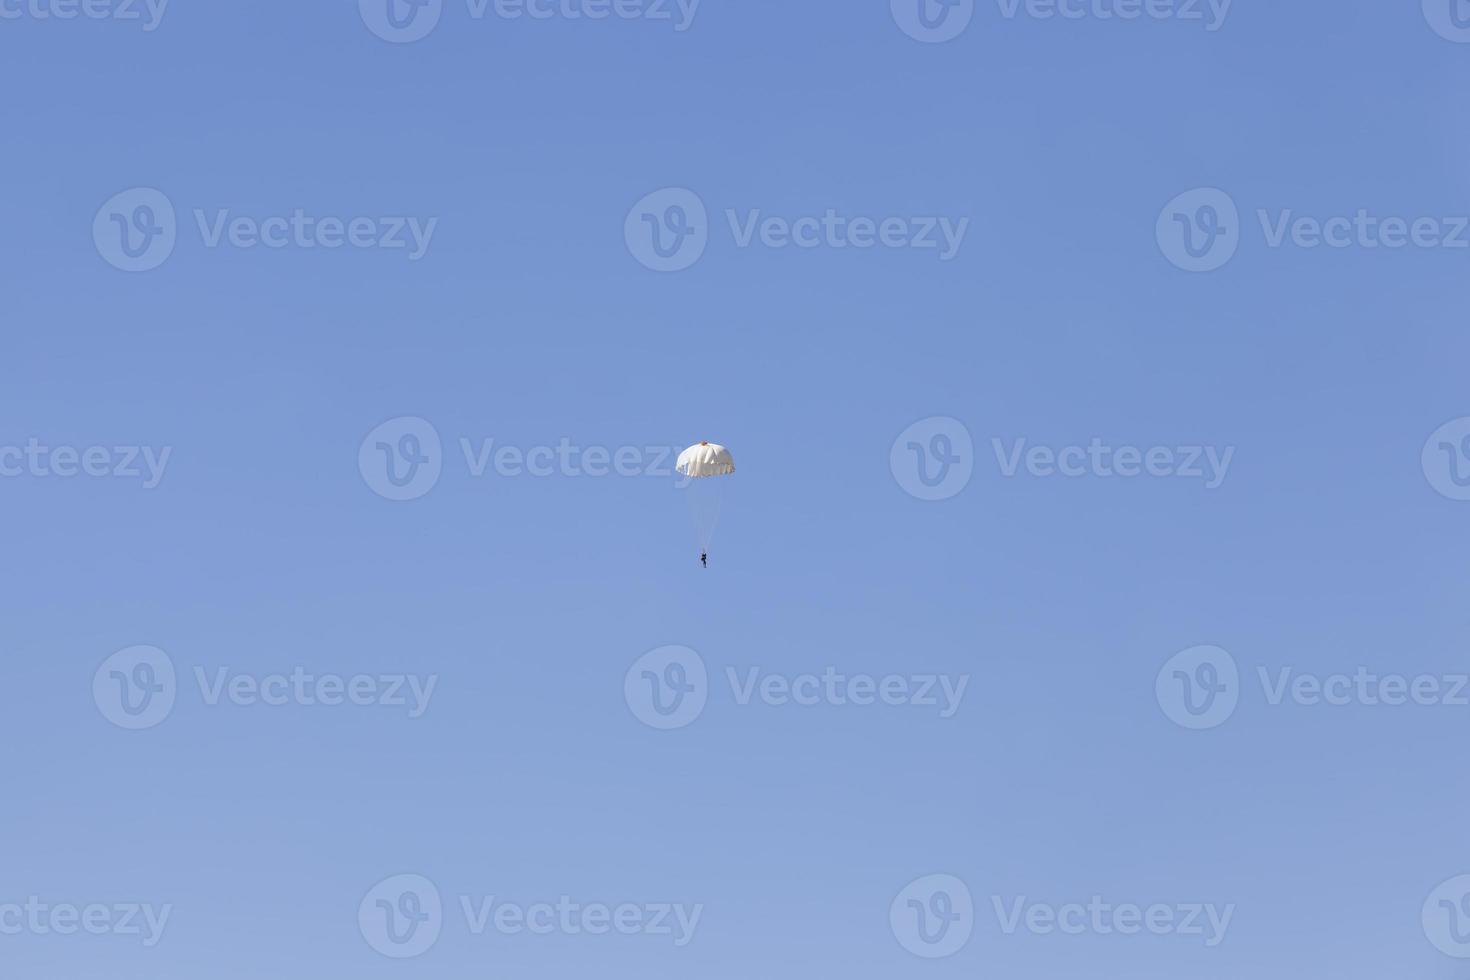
(190, 457)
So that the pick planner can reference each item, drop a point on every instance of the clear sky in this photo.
(270, 266)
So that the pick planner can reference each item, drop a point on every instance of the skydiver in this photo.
(704, 558)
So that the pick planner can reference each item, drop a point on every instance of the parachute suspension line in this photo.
(704, 498)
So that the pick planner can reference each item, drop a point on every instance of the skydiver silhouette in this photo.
(704, 559)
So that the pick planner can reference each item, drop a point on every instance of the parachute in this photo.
(702, 466)
(705, 459)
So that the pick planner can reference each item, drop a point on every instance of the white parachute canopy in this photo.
(696, 464)
(705, 459)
